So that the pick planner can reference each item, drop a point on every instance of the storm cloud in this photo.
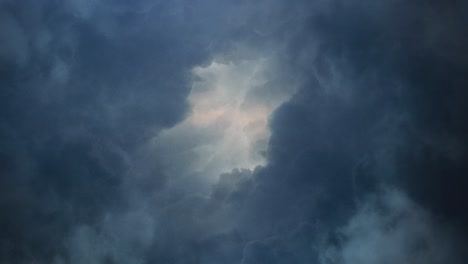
(329, 132)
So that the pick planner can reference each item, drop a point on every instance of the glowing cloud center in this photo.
(227, 126)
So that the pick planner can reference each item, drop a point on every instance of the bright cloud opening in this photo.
(227, 126)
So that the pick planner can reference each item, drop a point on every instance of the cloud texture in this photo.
(328, 132)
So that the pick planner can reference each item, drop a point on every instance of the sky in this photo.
(233, 132)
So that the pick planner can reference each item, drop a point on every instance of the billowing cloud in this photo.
(390, 228)
(227, 125)
(233, 132)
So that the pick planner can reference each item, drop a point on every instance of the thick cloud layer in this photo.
(391, 229)
(233, 132)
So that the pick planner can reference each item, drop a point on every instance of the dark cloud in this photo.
(365, 162)
(390, 228)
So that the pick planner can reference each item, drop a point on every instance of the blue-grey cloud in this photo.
(130, 132)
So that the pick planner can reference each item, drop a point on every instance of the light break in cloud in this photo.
(227, 126)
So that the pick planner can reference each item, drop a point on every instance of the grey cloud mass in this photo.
(390, 228)
(243, 132)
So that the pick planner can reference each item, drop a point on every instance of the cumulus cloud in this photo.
(390, 228)
(232, 131)
(227, 125)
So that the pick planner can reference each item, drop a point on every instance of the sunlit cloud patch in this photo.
(227, 126)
